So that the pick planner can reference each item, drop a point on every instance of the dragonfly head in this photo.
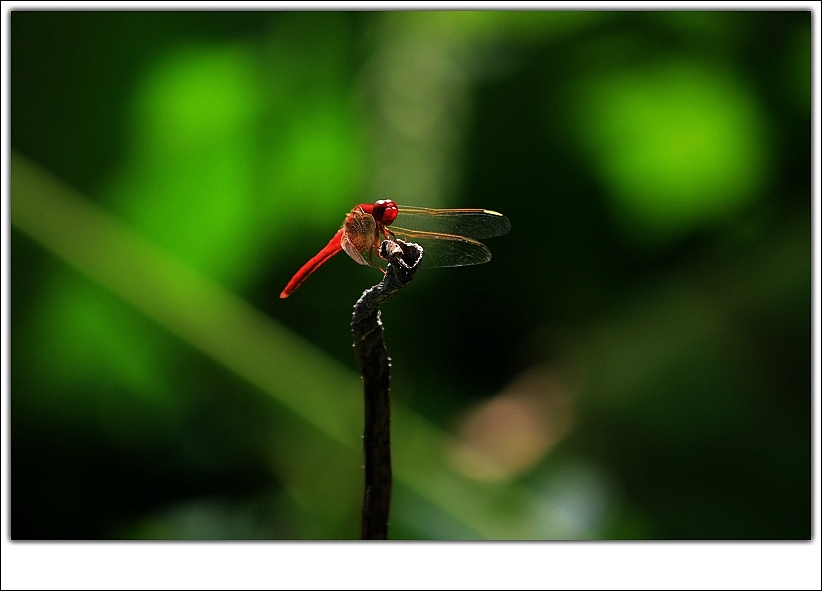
(385, 211)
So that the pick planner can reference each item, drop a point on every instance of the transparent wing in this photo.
(470, 223)
(446, 250)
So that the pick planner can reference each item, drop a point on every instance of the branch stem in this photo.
(372, 356)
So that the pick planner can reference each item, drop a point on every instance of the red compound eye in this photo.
(385, 211)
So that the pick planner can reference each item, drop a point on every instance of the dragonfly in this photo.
(449, 237)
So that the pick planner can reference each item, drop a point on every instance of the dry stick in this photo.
(369, 345)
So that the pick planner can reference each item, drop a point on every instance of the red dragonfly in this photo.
(447, 236)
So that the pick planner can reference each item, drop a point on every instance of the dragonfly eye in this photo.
(385, 211)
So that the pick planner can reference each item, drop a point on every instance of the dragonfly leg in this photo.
(371, 249)
(388, 235)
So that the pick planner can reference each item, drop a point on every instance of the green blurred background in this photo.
(634, 363)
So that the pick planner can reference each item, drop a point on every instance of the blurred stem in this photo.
(236, 335)
(184, 301)
(375, 366)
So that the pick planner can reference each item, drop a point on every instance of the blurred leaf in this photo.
(679, 145)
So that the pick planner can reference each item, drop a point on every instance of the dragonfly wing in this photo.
(359, 237)
(473, 223)
(446, 250)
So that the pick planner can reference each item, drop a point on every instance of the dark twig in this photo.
(404, 259)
